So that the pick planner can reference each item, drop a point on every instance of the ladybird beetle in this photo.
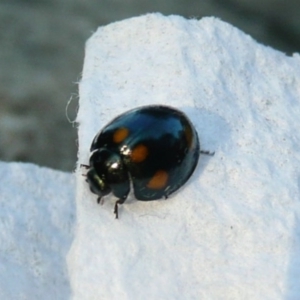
(154, 149)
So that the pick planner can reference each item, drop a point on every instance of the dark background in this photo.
(42, 51)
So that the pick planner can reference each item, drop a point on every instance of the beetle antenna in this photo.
(100, 200)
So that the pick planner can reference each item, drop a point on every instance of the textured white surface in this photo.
(36, 229)
(233, 231)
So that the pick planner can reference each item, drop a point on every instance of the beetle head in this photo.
(107, 173)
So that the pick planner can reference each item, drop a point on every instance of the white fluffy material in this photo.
(232, 232)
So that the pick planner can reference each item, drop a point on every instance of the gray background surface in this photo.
(42, 51)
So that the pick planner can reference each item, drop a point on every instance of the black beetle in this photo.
(156, 148)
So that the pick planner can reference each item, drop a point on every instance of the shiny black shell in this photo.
(156, 148)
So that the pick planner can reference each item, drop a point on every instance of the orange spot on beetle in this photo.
(120, 135)
(159, 180)
(139, 153)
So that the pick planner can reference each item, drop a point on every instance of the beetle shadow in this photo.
(213, 132)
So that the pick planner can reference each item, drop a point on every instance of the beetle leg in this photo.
(207, 153)
(84, 166)
(120, 201)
